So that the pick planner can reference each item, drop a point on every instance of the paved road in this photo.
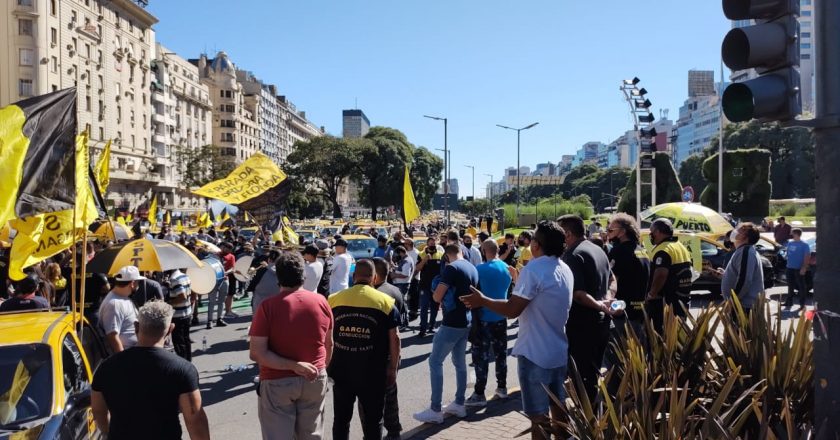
(231, 403)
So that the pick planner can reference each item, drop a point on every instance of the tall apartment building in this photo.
(698, 123)
(103, 47)
(354, 124)
(261, 100)
(701, 82)
(236, 130)
(181, 123)
(300, 128)
(588, 153)
(807, 53)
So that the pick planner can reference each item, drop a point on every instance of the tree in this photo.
(746, 183)
(668, 187)
(383, 154)
(475, 208)
(426, 171)
(323, 164)
(691, 174)
(198, 166)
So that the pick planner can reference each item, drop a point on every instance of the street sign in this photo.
(688, 194)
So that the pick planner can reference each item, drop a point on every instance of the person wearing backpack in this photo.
(744, 275)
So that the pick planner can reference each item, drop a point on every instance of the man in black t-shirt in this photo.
(455, 281)
(588, 327)
(138, 393)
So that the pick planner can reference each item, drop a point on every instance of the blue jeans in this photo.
(532, 377)
(428, 310)
(449, 340)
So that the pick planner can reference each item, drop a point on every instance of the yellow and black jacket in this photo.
(363, 317)
(674, 256)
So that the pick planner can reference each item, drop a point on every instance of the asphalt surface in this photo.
(231, 402)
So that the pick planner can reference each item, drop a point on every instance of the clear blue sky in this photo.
(478, 63)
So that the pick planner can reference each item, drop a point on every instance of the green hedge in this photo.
(549, 210)
(746, 183)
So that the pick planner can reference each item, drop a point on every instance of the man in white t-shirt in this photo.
(541, 300)
(117, 313)
(340, 275)
(314, 269)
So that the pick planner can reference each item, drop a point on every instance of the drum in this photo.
(205, 278)
(241, 269)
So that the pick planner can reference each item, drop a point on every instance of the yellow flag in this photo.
(121, 220)
(204, 221)
(289, 235)
(102, 170)
(38, 238)
(167, 217)
(153, 212)
(253, 177)
(410, 209)
(179, 227)
(225, 215)
(129, 218)
(248, 219)
(86, 211)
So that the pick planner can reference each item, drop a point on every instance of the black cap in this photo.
(340, 242)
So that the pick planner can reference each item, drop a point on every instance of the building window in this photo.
(87, 103)
(26, 57)
(806, 13)
(119, 113)
(25, 87)
(87, 51)
(25, 27)
(132, 141)
(54, 65)
(53, 36)
(53, 9)
(805, 45)
(806, 56)
(101, 133)
(54, 88)
(805, 35)
(24, 2)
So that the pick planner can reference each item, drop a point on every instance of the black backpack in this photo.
(324, 284)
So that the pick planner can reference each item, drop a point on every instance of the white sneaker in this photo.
(456, 410)
(231, 315)
(501, 393)
(429, 416)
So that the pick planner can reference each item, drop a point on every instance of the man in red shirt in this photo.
(291, 341)
(228, 261)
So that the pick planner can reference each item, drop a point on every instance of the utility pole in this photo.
(445, 165)
(473, 179)
(491, 190)
(827, 154)
(518, 174)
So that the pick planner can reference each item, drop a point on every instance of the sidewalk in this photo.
(499, 420)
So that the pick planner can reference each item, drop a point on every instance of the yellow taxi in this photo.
(45, 376)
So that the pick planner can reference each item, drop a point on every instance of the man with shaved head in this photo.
(366, 354)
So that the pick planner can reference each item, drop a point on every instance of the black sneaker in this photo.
(209, 326)
(221, 323)
(422, 334)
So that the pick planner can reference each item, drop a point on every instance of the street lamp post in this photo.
(472, 167)
(445, 165)
(518, 180)
(491, 191)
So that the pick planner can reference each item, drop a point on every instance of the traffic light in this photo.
(771, 47)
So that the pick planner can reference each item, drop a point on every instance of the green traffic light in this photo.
(738, 104)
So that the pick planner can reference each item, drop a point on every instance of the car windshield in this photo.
(360, 244)
(26, 384)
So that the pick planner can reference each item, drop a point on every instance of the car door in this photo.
(78, 421)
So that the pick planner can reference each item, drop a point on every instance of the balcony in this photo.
(157, 117)
(159, 138)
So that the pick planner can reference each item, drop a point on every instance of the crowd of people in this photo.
(320, 318)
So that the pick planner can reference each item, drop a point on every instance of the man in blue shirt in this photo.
(798, 255)
(491, 335)
(382, 248)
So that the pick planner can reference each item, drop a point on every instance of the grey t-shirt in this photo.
(118, 314)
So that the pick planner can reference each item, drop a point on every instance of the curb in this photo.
(425, 426)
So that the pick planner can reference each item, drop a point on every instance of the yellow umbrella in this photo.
(110, 230)
(692, 217)
(145, 254)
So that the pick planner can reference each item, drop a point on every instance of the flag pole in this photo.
(84, 254)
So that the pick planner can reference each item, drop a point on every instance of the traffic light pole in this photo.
(827, 154)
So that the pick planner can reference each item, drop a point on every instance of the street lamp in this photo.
(445, 164)
(518, 181)
(491, 190)
(473, 179)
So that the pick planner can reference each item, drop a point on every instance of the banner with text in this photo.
(253, 177)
